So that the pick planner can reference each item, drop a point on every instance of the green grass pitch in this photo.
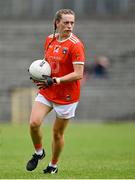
(93, 151)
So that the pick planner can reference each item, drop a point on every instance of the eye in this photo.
(66, 22)
(72, 23)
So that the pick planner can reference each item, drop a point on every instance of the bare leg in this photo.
(58, 138)
(39, 110)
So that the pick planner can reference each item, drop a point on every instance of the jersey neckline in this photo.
(64, 39)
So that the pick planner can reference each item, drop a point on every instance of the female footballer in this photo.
(65, 54)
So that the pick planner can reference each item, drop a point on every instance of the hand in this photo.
(33, 80)
(46, 82)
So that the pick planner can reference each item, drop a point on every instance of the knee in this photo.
(57, 134)
(34, 124)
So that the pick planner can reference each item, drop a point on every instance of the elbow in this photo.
(80, 76)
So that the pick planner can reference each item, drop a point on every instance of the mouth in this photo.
(68, 30)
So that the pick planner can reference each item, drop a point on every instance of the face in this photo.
(65, 25)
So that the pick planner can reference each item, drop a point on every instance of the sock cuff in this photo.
(52, 165)
(38, 146)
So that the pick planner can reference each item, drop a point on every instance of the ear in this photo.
(57, 23)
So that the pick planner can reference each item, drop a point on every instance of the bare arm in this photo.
(76, 75)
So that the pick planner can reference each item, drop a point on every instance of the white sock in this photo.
(39, 152)
(52, 165)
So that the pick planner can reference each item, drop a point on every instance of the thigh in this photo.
(39, 111)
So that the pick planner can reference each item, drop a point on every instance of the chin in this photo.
(68, 32)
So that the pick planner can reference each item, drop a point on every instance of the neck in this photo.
(62, 37)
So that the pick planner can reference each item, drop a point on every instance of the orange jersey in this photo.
(61, 56)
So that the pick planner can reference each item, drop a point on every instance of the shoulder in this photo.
(77, 44)
(51, 36)
(74, 39)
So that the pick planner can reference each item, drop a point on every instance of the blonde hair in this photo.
(58, 17)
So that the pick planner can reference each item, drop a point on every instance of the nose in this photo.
(69, 25)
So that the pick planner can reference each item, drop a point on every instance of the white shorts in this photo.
(62, 111)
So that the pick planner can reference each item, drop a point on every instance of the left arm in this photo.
(76, 75)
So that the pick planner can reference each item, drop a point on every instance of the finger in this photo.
(41, 87)
(33, 80)
(39, 84)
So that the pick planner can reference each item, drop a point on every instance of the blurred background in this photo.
(106, 27)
